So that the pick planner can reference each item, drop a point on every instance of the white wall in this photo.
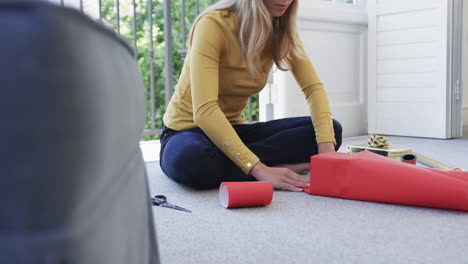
(335, 38)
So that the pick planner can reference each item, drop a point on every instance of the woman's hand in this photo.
(282, 178)
(326, 147)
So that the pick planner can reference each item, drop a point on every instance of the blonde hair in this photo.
(257, 28)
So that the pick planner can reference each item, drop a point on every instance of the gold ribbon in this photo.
(377, 141)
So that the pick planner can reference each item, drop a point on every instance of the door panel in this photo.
(408, 68)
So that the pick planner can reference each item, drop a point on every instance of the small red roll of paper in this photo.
(244, 194)
(370, 177)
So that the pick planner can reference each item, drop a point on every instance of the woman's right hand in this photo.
(282, 178)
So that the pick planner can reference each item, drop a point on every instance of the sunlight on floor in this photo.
(150, 150)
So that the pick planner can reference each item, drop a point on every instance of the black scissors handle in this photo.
(161, 200)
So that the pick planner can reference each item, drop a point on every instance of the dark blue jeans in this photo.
(189, 157)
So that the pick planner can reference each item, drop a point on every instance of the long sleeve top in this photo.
(215, 85)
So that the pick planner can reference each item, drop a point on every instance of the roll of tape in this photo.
(409, 158)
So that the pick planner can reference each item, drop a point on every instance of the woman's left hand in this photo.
(326, 147)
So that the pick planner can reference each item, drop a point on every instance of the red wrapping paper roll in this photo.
(370, 177)
(243, 194)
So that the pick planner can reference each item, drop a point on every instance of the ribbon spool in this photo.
(409, 158)
(245, 194)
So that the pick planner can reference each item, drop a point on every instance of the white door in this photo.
(409, 71)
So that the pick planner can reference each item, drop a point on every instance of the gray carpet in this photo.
(301, 228)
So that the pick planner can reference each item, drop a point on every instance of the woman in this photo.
(232, 47)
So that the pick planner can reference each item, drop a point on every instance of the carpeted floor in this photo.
(300, 228)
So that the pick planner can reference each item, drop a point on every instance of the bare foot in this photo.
(299, 168)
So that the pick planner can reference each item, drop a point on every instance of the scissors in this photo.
(161, 200)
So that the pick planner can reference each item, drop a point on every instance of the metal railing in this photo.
(146, 53)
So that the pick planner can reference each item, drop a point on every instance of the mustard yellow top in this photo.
(215, 85)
